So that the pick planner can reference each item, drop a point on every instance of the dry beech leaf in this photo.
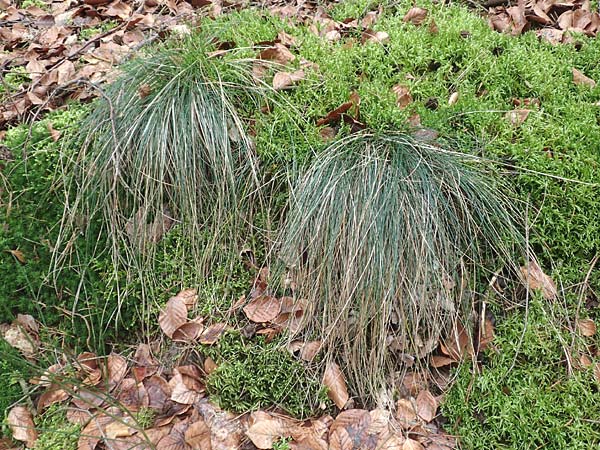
(535, 278)
(380, 37)
(188, 332)
(586, 327)
(21, 425)
(415, 15)
(173, 316)
(580, 79)
(333, 380)
(284, 80)
(198, 435)
(411, 444)
(16, 337)
(209, 365)
(327, 133)
(263, 309)
(54, 394)
(212, 333)
(438, 361)
(517, 116)
(266, 429)
(117, 369)
(458, 345)
(144, 90)
(279, 53)
(19, 255)
(406, 413)
(189, 297)
(310, 349)
(403, 97)
(426, 406)
(433, 28)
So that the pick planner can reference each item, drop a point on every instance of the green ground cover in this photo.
(552, 160)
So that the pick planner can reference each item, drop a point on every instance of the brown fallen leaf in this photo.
(403, 97)
(310, 349)
(284, 80)
(426, 406)
(586, 327)
(534, 278)
(20, 422)
(265, 429)
(406, 414)
(411, 444)
(212, 333)
(173, 316)
(517, 116)
(441, 361)
(415, 15)
(18, 254)
(263, 309)
(16, 337)
(334, 381)
(380, 37)
(198, 435)
(278, 53)
(580, 79)
(458, 344)
(117, 369)
(54, 394)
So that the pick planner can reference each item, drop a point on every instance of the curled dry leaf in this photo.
(438, 361)
(198, 435)
(406, 413)
(426, 406)
(278, 53)
(265, 429)
(334, 381)
(310, 349)
(189, 332)
(534, 278)
(415, 15)
(263, 309)
(411, 444)
(117, 369)
(212, 333)
(54, 394)
(403, 97)
(380, 37)
(21, 425)
(173, 316)
(586, 327)
(580, 79)
(19, 255)
(284, 80)
(517, 116)
(16, 337)
(458, 345)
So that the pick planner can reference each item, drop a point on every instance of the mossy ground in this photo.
(529, 405)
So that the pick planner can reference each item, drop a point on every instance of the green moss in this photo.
(55, 431)
(533, 404)
(13, 370)
(254, 374)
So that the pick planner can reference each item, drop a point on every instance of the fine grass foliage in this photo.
(385, 236)
(164, 147)
(254, 374)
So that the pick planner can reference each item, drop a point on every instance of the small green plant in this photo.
(13, 79)
(90, 32)
(282, 444)
(144, 418)
(14, 370)
(55, 431)
(253, 374)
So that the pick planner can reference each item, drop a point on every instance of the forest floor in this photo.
(211, 368)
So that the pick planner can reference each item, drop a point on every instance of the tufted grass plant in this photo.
(164, 147)
(386, 238)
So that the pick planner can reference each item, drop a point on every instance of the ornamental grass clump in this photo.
(164, 147)
(386, 238)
